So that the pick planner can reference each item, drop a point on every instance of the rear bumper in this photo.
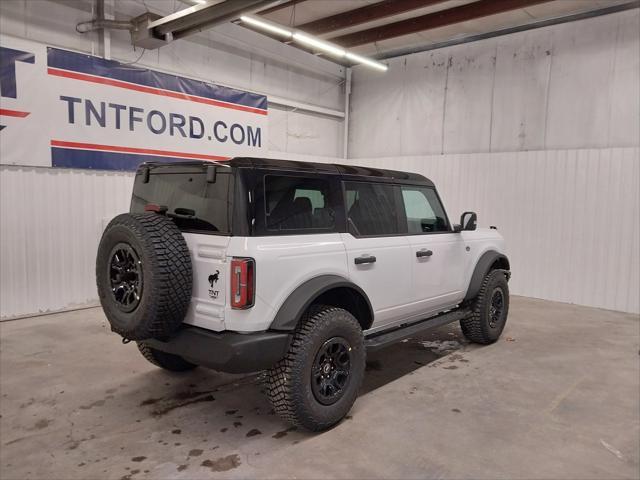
(226, 351)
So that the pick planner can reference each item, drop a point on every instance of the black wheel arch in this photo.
(332, 290)
(490, 260)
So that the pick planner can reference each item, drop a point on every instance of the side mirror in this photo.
(457, 228)
(469, 220)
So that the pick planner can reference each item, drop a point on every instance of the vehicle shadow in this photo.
(400, 359)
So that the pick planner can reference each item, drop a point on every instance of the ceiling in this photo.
(385, 28)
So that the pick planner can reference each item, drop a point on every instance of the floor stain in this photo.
(237, 424)
(230, 412)
(43, 423)
(224, 429)
(98, 403)
(190, 394)
(196, 452)
(138, 459)
(129, 475)
(283, 433)
(177, 431)
(163, 411)
(253, 432)
(149, 401)
(182, 467)
(222, 464)
(456, 410)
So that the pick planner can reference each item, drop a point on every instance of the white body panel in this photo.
(386, 282)
(439, 279)
(400, 286)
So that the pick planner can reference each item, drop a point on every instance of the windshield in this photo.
(193, 203)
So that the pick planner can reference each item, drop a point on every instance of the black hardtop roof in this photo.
(352, 171)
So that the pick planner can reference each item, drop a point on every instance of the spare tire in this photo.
(144, 276)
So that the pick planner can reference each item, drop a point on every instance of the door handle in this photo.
(365, 259)
(424, 253)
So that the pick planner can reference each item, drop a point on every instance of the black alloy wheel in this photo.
(125, 276)
(496, 307)
(331, 370)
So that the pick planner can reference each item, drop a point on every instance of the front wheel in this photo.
(489, 310)
(315, 385)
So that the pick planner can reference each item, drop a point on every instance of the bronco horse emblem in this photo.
(214, 278)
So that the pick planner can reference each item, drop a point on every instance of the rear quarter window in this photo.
(298, 204)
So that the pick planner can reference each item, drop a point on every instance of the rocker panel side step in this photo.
(382, 339)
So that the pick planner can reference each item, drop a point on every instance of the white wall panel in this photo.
(570, 217)
(469, 95)
(572, 85)
(51, 225)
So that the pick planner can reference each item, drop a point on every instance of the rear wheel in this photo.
(315, 385)
(168, 361)
(489, 310)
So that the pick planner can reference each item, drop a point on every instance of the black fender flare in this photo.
(482, 268)
(299, 300)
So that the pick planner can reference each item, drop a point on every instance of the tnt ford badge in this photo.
(213, 279)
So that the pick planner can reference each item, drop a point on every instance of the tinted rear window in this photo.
(194, 204)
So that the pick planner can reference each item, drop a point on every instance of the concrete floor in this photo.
(556, 397)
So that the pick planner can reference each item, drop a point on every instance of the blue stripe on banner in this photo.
(79, 62)
(97, 160)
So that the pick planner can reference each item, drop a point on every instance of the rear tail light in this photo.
(242, 282)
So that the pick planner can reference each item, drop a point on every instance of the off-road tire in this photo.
(166, 275)
(477, 327)
(168, 361)
(288, 383)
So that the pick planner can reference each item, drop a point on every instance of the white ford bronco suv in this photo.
(294, 268)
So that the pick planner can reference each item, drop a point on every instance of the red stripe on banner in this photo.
(139, 151)
(152, 90)
(13, 113)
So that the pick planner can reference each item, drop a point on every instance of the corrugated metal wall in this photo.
(570, 217)
(51, 225)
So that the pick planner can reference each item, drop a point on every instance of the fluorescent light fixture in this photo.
(354, 57)
(319, 44)
(312, 41)
(266, 25)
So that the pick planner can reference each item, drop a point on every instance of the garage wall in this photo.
(536, 131)
(573, 85)
(51, 219)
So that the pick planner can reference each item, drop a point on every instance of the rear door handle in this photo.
(424, 253)
(365, 259)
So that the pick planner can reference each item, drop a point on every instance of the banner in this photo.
(65, 109)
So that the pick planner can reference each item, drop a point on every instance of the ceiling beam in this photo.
(282, 6)
(463, 13)
(368, 13)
